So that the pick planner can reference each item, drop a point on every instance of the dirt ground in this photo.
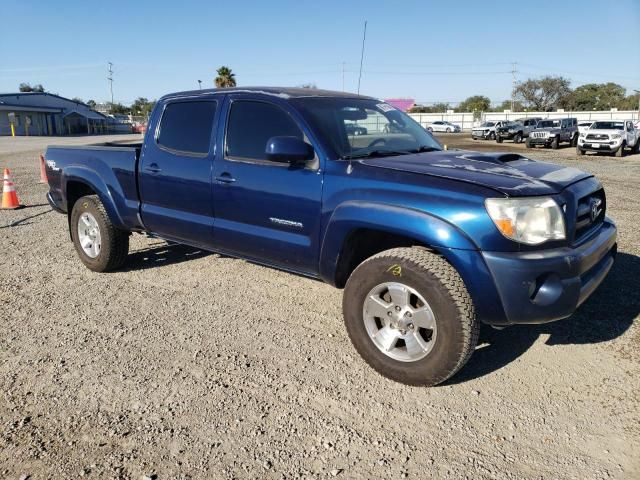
(190, 365)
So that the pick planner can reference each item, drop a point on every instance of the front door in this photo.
(175, 172)
(264, 210)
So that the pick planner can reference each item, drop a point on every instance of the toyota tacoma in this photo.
(427, 243)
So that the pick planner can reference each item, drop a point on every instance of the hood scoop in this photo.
(499, 159)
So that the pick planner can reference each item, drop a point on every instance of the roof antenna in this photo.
(364, 36)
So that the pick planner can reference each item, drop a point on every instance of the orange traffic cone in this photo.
(9, 195)
(43, 171)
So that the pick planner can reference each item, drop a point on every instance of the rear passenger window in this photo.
(187, 126)
(251, 124)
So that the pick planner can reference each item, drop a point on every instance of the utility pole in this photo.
(514, 71)
(110, 78)
(200, 84)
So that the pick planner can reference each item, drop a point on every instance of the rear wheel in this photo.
(517, 138)
(448, 130)
(492, 136)
(100, 246)
(430, 129)
(574, 140)
(409, 315)
(636, 147)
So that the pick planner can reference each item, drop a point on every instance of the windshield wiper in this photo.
(376, 153)
(425, 148)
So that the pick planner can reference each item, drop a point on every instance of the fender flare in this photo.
(112, 199)
(428, 229)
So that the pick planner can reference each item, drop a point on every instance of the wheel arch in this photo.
(358, 230)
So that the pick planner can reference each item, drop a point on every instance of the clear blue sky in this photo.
(427, 50)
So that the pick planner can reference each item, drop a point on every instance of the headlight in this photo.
(531, 220)
(616, 135)
(552, 134)
(511, 130)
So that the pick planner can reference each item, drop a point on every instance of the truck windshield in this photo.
(359, 128)
(607, 126)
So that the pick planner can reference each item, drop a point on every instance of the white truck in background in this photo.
(609, 136)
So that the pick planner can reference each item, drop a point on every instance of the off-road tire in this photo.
(636, 148)
(492, 136)
(555, 143)
(114, 242)
(440, 284)
(528, 143)
(574, 140)
(579, 151)
(517, 138)
(499, 139)
(620, 152)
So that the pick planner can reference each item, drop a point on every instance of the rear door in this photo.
(175, 171)
(267, 211)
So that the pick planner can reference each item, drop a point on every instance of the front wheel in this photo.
(579, 151)
(555, 143)
(574, 141)
(430, 129)
(409, 315)
(499, 139)
(528, 143)
(100, 246)
(620, 152)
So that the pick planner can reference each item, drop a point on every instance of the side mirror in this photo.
(288, 150)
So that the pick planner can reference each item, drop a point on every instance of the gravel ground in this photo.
(192, 365)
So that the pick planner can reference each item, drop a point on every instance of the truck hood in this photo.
(603, 132)
(508, 173)
(548, 129)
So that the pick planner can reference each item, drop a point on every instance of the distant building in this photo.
(404, 104)
(35, 113)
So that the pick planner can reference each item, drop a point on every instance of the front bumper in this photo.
(480, 134)
(602, 147)
(548, 285)
(546, 141)
(506, 135)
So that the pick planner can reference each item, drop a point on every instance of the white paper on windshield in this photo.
(385, 107)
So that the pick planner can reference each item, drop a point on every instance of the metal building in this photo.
(35, 113)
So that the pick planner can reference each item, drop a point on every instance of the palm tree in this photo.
(226, 78)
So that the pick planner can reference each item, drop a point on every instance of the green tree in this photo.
(632, 102)
(26, 87)
(91, 103)
(596, 96)
(506, 105)
(226, 78)
(142, 106)
(479, 103)
(438, 107)
(544, 94)
(77, 100)
(118, 108)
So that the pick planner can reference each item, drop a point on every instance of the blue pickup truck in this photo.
(427, 242)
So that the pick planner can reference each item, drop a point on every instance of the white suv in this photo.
(611, 136)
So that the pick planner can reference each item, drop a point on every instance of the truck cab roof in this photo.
(282, 92)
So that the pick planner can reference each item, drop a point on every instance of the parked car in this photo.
(353, 129)
(510, 131)
(611, 136)
(529, 123)
(442, 126)
(486, 130)
(427, 243)
(553, 132)
(584, 126)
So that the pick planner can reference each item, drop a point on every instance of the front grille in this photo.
(539, 134)
(590, 213)
(597, 136)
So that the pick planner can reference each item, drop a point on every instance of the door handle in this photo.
(153, 168)
(225, 178)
